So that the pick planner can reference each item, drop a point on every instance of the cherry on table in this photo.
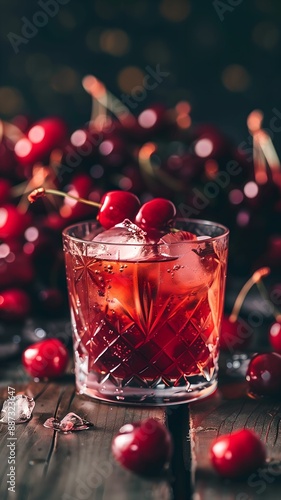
(237, 454)
(14, 304)
(45, 359)
(143, 447)
(275, 336)
(264, 374)
(117, 206)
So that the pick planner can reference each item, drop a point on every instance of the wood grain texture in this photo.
(227, 411)
(74, 466)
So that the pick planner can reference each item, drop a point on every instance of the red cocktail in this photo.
(146, 316)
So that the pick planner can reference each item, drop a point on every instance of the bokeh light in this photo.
(175, 11)
(236, 78)
(130, 77)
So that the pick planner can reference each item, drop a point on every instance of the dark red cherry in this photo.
(235, 335)
(12, 222)
(237, 454)
(5, 191)
(51, 300)
(54, 222)
(113, 151)
(143, 447)
(264, 374)
(153, 119)
(44, 136)
(275, 336)
(15, 266)
(82, 187)
(274, 250)
(157, 214)
(209, 142)
(7, 158)
(117, 206)
(14, 304)
(46, 359)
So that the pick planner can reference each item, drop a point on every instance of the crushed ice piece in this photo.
(17, 409)
(71, 422)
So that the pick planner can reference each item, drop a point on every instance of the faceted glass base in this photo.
(160, 395)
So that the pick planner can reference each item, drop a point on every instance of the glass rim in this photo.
(65, 233)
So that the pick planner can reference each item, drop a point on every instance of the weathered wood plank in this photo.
(219, 415)
(77, 465)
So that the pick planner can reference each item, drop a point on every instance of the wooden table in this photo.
(79, 466)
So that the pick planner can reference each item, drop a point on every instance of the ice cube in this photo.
(17, 409)
(71, 422)
(125, 241)
(178, 237)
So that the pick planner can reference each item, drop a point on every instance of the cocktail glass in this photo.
(146, 317)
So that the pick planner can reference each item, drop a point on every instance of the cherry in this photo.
(264, 374)
(275, 336)
(209, 142)
(54, 222)
(113, 151)
(51, 300)
(152, 119)
(12, 222)
(237, 454)
(117, 206)
(14, 304)
(45, 359)
(235, 335)
(16, 267)
(143, 447)
(44, 136)
(5, 190)
(156, 214)
(81, 186)
(7, 157)
(235, 332)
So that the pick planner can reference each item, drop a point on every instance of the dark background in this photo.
(225, 63)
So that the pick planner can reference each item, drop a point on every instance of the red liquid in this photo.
(147, 321)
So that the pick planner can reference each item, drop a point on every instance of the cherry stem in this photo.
(40, 192)
(264, 293)
(254, 280)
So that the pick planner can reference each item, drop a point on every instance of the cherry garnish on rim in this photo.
(143, 447)
(155, 216)
(237, 454)
(115, 206)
